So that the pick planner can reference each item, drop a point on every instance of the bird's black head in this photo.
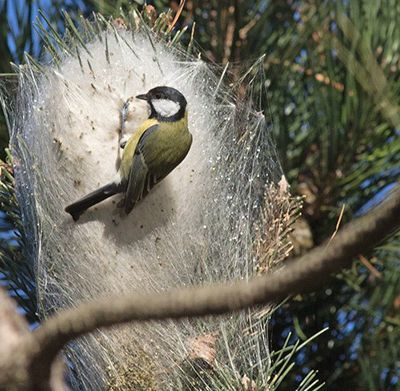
(166, 103)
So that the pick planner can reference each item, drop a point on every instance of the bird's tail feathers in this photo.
(78, 207)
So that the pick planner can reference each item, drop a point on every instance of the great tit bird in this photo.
(150, 154)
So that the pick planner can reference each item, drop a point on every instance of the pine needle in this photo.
(178, 14)
(337, 225)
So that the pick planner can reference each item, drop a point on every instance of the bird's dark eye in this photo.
(158, 96)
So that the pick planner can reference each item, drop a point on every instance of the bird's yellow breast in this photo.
(163, 149)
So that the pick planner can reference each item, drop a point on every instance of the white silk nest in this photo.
(205, 222)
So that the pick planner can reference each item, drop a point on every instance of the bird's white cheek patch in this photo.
(166, 107)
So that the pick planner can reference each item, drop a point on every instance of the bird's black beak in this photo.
(142, 96)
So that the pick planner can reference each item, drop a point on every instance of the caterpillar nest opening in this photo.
(209, 220)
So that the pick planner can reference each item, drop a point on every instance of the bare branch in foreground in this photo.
(302, 274)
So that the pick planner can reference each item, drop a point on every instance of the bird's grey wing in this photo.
(140, 179)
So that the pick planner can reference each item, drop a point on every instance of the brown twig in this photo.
(369, 266)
